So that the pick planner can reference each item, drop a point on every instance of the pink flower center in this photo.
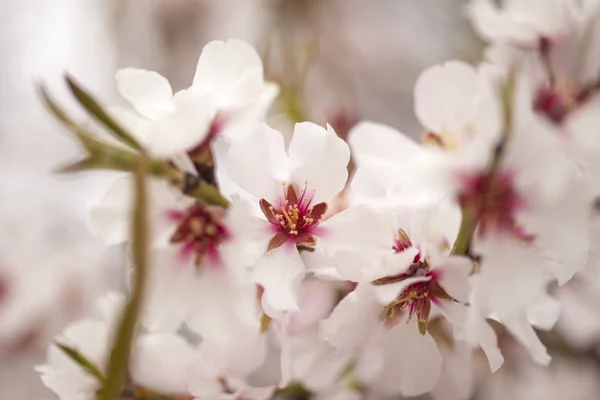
(416, 298)
(492, 199)
(199, 232)
(293, 218)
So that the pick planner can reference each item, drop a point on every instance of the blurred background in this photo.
(337, 61)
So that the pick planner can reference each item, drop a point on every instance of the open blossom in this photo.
(195, 259)
(289, 191)
(163, 363)
(228, 83)
(389, 311)
(459, 108)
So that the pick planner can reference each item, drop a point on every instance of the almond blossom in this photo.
(228, 83)
(416, 280)
(291, 190)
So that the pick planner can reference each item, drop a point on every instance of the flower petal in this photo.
(183, 129)
(520, 328)
(147, 91)
(413, 362)
(444, 95)
(354, 321)
(280, 272)
(320, 158)
(110, 219)
(224, 62)
(169, 351)
(258, 163)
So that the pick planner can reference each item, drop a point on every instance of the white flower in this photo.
(160, 362)
(220, 372)
(459, 107)
(524, 23)
(196, 260)
(291, 190)
(228, 83)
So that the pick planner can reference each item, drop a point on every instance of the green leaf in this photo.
(119, 359)
(82, 361)
(97, 111)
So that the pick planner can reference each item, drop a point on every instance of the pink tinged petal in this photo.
(320, 158)
(453, 277)
(109, 220)
(148, 92)
(160, 362)
(280, 272)
(317, 300)
(413, 362)
(258, 163)
(354, 321)
(520, 328)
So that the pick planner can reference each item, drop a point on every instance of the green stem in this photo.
(465, 234)
(119, 359)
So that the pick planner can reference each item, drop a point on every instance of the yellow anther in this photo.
(196, 225)
(211, 230)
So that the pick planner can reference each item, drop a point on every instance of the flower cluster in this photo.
(372, 263)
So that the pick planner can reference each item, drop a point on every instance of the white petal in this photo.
(320, 158)
(354, 321)
(454, 277)
(183, 129)
(221, 309)
(148, 92)
(508, 264)
(443, 96)
(258, 164)
(359, 229)
(238, 359)
(544, 313)
(520, 328)
(489, 344)
(160, 362)
(373, 140)
(170, 286)
(412, 361)
(280, 271)
(250, 236)
(224, 62)
(315, 362)
(455, 383)
(110, 219)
